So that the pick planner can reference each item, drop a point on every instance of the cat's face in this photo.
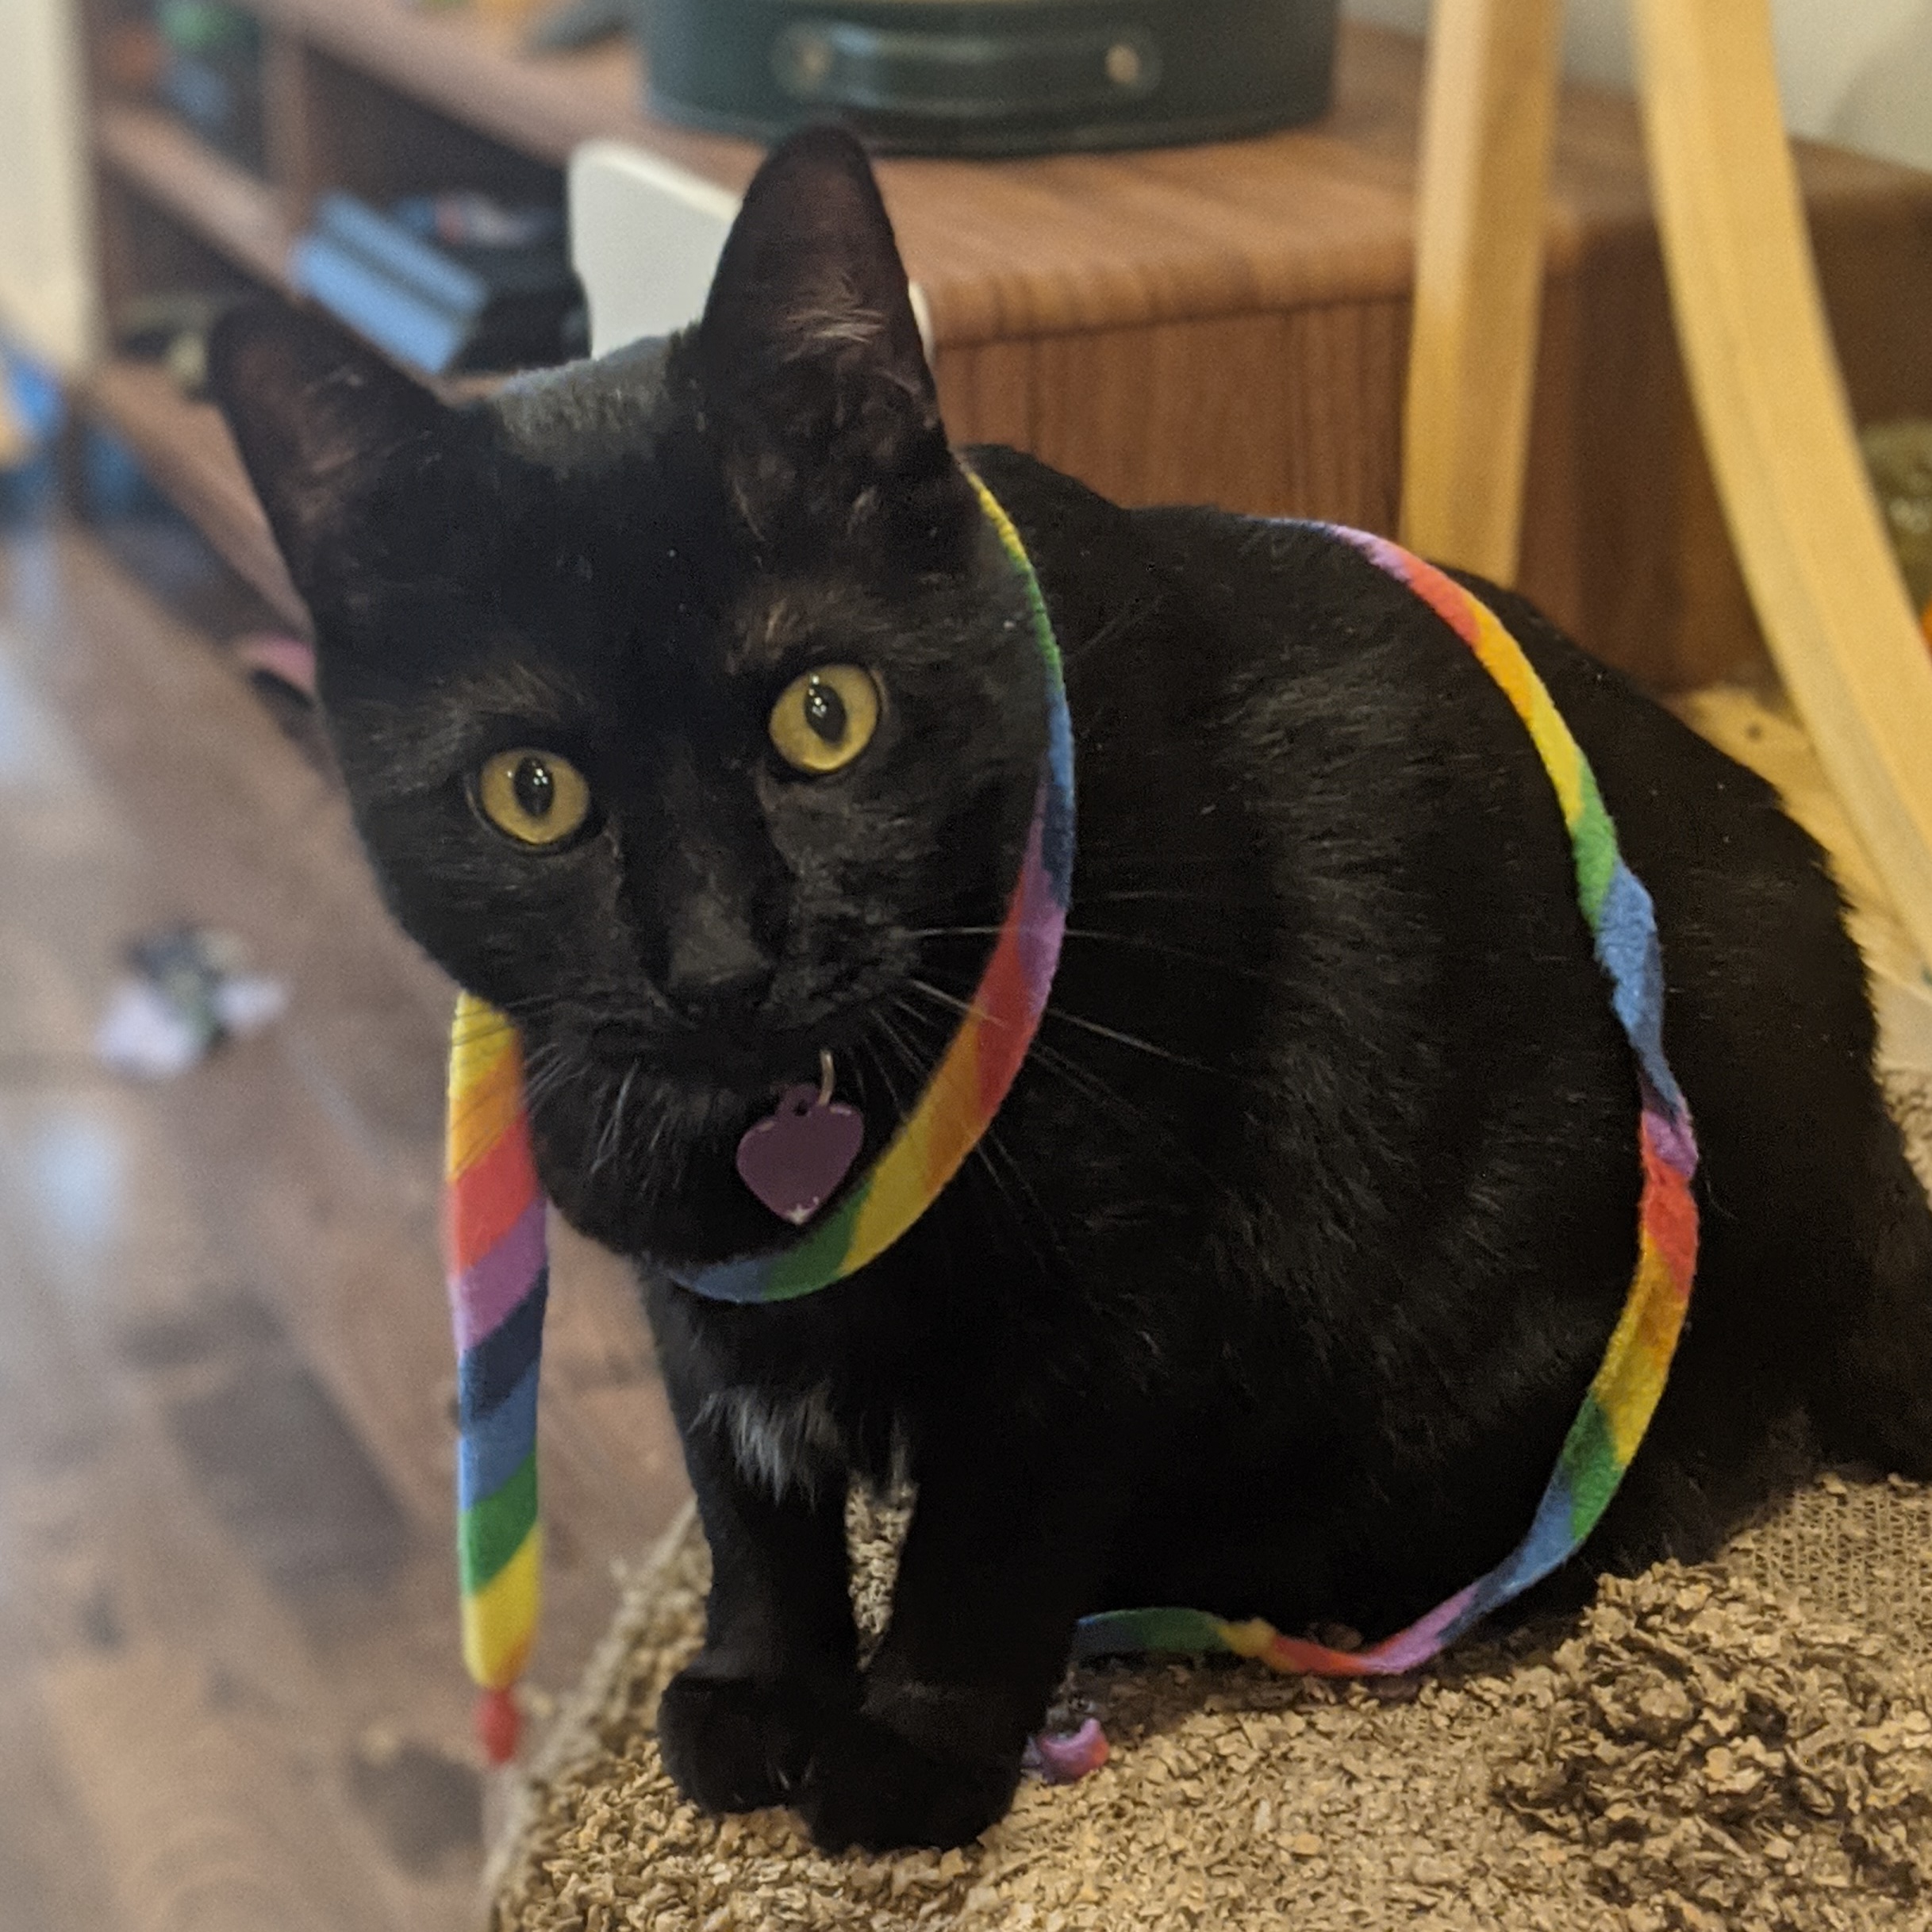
(683, 697)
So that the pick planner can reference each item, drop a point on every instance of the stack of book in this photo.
(447, 283)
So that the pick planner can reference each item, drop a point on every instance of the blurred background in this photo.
(230, 1689)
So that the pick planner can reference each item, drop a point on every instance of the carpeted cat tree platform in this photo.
(1744, 1747)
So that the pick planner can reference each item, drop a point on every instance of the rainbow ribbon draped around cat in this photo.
(1622, 1398)
(494, 1250)
(498, 1275)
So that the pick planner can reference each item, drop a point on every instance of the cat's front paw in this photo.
(737, 1743)
(870, 1787)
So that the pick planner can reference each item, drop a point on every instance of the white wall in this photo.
(46, 284)
(1857, 71)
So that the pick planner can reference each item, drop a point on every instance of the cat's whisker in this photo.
(1087, 1085)
(925, 1020)
(982, 1151)
(1092, 1088)
(909, 1051)
(1208, 902)
(1090, 1084)
(654, 1144)
(532, 1006)
(1039, 1221)
(1138, 1044)
(547, 1070)
(919, 1065)
(1127, 1114)
(1098, 935)
(884, 1071)
(478, 1026)
(591, 1113)
(951, 1000)
(611, 1138)
(1009, 1201)
(1090, 1026)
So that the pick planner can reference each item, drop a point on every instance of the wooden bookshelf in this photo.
(1225, 323)
(186, 450)
(235, 212)
(469, 65)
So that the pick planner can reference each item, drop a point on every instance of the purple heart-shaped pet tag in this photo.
(794, 1160)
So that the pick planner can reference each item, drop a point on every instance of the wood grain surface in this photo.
(187, 448)
(1489, 117)
(230, 1690)
(235, 209)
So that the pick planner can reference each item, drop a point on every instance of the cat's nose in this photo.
(714, 968)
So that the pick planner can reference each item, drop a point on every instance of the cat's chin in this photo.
(712, 1217)
(638, 1152)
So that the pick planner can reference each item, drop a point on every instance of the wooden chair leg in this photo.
(1771, 404)
(1489, 112)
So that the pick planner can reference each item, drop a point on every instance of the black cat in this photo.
(1284, 1265)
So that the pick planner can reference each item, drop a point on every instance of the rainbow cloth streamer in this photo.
(498, 1279)
(1621, 1400)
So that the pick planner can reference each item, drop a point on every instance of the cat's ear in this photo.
(322, 422)
(815, 391)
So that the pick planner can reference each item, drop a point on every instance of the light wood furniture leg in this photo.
(1488, 115)
(1778, 428)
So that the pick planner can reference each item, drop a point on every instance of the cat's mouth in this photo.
(752, 1060)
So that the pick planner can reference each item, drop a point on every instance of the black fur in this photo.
(1282, 1271)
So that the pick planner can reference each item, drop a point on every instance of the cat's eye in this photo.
(826, 718)
(535, 797)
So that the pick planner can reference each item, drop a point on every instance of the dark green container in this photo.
(989, 77)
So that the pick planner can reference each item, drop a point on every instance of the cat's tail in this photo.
(1873, 1400)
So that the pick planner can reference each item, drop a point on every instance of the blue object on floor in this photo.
(33, 397)
(113, 483)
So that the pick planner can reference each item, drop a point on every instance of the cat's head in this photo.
(681, 695)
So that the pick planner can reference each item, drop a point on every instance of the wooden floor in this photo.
(229, 1691)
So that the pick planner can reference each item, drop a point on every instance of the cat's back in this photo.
(1450, 1086)
(1295, 620)
(1328, 671)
